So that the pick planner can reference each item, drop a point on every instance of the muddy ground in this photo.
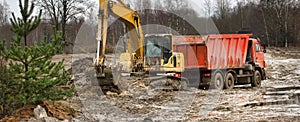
(134, 100)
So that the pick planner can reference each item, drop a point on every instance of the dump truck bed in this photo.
(223, 51)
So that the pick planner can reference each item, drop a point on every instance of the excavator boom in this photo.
(131, 20)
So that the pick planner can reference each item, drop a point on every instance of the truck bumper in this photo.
(205, 81)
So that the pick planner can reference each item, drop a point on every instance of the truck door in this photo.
(259, 54)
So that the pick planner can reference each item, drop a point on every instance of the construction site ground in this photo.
(135, 100)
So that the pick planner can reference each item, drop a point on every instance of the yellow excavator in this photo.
(145, 53)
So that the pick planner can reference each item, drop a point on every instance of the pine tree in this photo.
(30, 77)
(23, 26)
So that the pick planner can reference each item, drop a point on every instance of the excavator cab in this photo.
(150, 51)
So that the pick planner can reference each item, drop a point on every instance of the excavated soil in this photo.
(133, 99)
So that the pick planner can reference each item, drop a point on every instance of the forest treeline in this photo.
(275, 22)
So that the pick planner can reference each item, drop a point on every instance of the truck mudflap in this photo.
(263, 74)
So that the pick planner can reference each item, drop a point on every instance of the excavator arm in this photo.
(101, 37)
(131, 20)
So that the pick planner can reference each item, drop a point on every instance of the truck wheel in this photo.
(229, 81)
(218, 81)
(256, 80)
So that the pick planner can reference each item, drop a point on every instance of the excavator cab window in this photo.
(152, 48)
(158, 47)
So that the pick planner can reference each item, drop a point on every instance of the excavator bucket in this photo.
(100, 72)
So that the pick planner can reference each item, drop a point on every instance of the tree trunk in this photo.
(286, 26)
(266, 27)
(64, 21)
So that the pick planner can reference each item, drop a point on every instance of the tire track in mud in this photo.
(277, 99)
(280, 93)
(102, 103)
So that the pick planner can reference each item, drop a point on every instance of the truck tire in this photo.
(256, 80)
(229, 81)
(218, 81)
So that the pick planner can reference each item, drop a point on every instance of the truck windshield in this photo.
(257, 48)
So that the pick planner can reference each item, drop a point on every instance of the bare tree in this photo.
(222, 11)
(262, 9)
(240, 12)
(281, 9)
(177, 10)
(277, 14)
(222, 8)
(4, 11)
(61, 11)
(5, 27)
(208, 8)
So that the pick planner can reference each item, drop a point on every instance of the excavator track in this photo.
(168, 83)
(114, 82)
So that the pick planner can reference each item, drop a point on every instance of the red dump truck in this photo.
(222, 60)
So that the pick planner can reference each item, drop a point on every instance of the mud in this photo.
(133, 99)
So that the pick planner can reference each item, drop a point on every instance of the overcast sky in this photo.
(14, 5)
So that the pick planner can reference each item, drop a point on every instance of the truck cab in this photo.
(257, 52)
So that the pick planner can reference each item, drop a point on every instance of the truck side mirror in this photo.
(265, 49)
